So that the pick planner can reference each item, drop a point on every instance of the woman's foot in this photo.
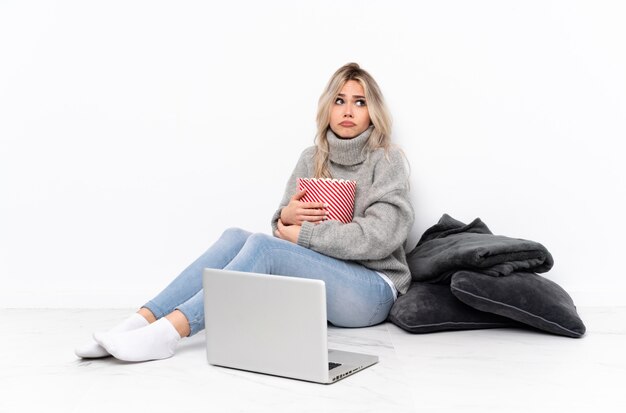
(154, 342)
(91, 349)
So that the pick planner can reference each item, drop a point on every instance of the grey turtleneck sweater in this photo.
(383, 214)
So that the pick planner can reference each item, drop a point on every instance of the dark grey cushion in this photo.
(451, 245)
(522, 296)
(426, 308)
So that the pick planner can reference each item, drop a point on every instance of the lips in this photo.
(347, 123)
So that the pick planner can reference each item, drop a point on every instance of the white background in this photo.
(132, 133)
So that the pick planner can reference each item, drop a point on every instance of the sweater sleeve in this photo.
(300, 171)
(380, 230)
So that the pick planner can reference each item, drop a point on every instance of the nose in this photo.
(347, 111)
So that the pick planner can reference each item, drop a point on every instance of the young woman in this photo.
(362, 262)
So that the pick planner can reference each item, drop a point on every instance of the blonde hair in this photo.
(378, 112)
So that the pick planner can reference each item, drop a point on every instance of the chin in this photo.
(345, 133)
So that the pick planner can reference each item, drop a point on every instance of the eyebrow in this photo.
(354, 96)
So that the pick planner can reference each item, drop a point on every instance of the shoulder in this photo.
(390, 170)
(306, 161)
(309, 152)
(392, 160)
(307, 156)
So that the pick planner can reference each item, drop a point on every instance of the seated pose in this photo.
(362, 262)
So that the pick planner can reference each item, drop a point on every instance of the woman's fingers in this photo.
(314, 205)
(312, 211)
(298, 212)
(312, 214)
(279, 227)
(313, 218)
(294, 212)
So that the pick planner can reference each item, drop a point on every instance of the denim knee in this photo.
(235, 234)
(259, 239)
(259, 244)
(255, 255)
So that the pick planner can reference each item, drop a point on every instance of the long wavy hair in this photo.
(378, 112)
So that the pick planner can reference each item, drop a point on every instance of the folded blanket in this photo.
(451, 245)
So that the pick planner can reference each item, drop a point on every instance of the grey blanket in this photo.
(451, 245)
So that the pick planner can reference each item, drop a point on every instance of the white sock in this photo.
(154, 342)
(91, 349)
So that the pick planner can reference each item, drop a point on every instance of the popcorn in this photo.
(338, 194)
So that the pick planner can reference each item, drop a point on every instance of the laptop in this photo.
(274, 325)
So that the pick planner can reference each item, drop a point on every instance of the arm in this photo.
(287, 232)
(291, 210)
(380, 230)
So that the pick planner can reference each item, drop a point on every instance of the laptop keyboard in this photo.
(332, 365)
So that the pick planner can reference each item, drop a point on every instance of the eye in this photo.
(339, 101)
(361, 102)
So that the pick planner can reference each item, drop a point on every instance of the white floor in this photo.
(505, 370)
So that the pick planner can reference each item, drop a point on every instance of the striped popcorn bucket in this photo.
(336, 193)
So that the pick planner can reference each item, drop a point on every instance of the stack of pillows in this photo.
(464, 277)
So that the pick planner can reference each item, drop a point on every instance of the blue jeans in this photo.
(355, 295)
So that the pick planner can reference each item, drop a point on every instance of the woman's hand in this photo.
(296, 212)
(287, 232)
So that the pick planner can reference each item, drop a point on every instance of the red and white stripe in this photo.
(337, 193)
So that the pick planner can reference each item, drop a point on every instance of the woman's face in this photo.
(349, 116)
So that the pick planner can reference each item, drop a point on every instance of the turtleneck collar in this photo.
(348, 151)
